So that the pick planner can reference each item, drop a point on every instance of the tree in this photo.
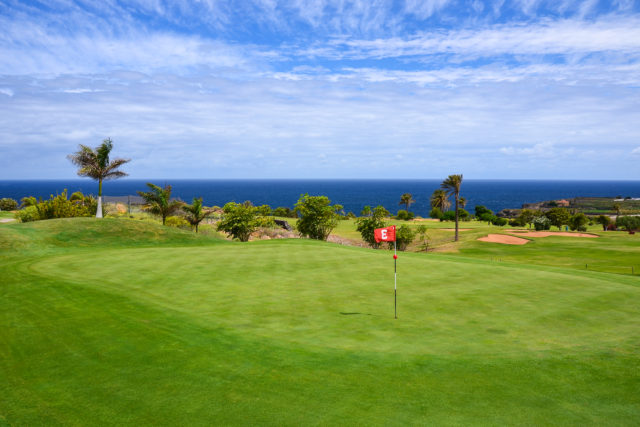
(440, 199)
(558, 217)
(158, 201)
(367, 224)
(451, 185)
(481, 210)
(239, 220)
(195, 212)
(527, 216)
(629, 223)
(406, 199)
(604, 220)
(578, 222)
(317, 216)
(95, 164)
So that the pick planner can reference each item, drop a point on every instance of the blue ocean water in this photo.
(352, 194)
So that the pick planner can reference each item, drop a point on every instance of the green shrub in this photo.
(436, 213)
(177, 221)
(284, 212)
(448, 216)
(500, 222)
(7, 204)
(404, 215)
(28, 214)
(404, 237)
(629, 223)
(578, 222)
(541, 223)
(517, 222)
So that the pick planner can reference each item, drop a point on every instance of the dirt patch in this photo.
(552, 233)
(504, 239)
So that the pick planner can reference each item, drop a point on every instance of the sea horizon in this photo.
(353, 194)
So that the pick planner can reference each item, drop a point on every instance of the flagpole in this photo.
(395, 281)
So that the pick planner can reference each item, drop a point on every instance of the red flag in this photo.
(385, 234)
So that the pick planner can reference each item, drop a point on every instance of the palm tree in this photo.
(406, 199)
(440, 200)
(95, 164)
(452, 186)
(158, 201)
(195, 212)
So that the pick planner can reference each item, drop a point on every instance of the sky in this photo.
(521, 89)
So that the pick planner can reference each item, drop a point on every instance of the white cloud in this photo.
(563, 37)
(6, 91)
(541, 150)
(636, 151)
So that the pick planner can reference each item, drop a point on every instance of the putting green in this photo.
(327, 296)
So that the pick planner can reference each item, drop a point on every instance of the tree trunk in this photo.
(99, 210)
(456, 239)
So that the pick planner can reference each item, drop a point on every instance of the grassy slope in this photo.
(183, 329)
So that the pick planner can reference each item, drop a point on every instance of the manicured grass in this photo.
(125, 322)
(612, 252)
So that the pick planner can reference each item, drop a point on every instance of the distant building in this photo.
(563, 203)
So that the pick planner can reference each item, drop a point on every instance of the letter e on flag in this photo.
(387, 234)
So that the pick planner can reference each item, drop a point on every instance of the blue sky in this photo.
(323, 89)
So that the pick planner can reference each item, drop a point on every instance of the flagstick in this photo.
(395, 281)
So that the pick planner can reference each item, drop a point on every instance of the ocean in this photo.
(352, 194)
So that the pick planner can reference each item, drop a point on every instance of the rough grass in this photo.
(124, 322)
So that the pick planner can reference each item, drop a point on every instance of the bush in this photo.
(405, 215)
(481, 210)
(487, 217)
(177, 221)
(501, 222)
(28, 214)
(57, 207)
(517, 222)
(464, 215)
(7, 204)
(404, 237)
(541, 223)
(448, 216)
(367, 224)
(283, 212)
(28, 201)
(240, 220)
(436, 213)
(629, 223)
(578, 222)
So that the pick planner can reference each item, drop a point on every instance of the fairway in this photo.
(172, 329)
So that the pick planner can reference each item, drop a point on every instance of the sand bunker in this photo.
(551, 233)
(504, 239)
(7, 220)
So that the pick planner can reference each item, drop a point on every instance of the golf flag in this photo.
(387, 234)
